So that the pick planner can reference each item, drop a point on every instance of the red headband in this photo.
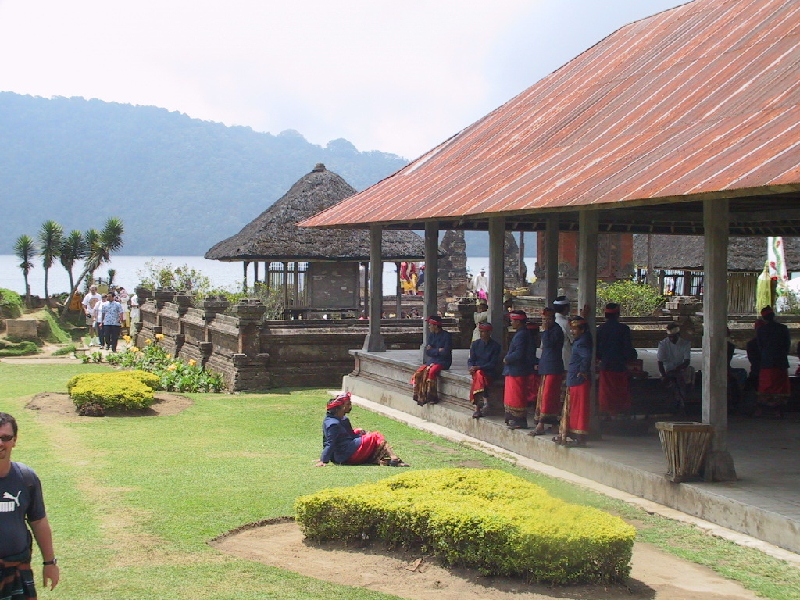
(485, 327)
(612, 311)
(520, 316)
(767, 310)
(339, 400)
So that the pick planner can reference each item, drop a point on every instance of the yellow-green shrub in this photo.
(120, 390)
(495, 522)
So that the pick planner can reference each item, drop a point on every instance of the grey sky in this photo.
(393, 76)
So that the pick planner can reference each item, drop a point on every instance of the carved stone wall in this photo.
(252, 354)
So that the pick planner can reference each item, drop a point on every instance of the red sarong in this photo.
(480, 384)
(370, 443)
(614, 392)
(548, 402)
(533, 388)
(515, 396)
(576, 408)
(774, 381)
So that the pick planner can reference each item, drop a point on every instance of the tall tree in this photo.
(25, 249)
(50, 237)
(99, 250)
(73, 248)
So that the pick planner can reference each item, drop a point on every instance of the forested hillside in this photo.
(179, 184)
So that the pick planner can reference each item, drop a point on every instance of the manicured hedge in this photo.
(485, 519)
(121, 390)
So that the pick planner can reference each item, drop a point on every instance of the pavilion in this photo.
(686, 122)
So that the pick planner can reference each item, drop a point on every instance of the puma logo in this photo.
(8, 496)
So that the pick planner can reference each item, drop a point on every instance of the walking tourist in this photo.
(438, 358)
(575, 413)
(614, 350)
(484, 359)
(112, 322)
(344, 445)
(774, 345)
(89, 302)
(21, 501)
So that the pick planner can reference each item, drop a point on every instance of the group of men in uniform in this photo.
(547, 366)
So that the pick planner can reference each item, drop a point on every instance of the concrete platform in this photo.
(763, 503)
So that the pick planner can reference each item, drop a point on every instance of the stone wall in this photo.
(252, 354)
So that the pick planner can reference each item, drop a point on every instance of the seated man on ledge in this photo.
(438, 357)
(347, 446)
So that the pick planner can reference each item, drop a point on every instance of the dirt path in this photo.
(655, 574)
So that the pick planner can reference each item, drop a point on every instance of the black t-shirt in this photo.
(20, 500)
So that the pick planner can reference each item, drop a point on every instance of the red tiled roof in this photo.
(700, 98)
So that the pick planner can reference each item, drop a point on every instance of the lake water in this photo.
(222, 274)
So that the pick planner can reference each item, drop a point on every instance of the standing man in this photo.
(21, 500)
(517, 369)
(89, 302)
(674, 355)
(112, 322)
(575, 414)
(480, 285)
(773, 379)
(438, 358)
(484, 358)
(551, 372)
(614, 350)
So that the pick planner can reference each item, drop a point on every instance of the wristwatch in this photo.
(50, 562)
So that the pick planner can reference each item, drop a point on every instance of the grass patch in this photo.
(68, 349)
(134, 501)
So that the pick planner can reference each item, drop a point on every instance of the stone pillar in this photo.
(249, 312)
(551, 256)
(374, 341)
(211, 306)
(185, 302)
(497, 231)
(719, 462)
(587, 294)
(162, 296)
(431, 277)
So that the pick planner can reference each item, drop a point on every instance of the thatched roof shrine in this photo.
(274, 236)
(685, 252)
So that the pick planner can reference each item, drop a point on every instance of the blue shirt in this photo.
(112, 313)
(551, 361)
(485, 356)
(435, 356)
(517, 360)
(339, 441)
(580, 361)
(614, 346)
(774, 344)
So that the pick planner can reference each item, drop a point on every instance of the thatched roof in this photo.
(685, 252)
(273, 235)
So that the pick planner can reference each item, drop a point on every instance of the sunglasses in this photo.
(6, 438)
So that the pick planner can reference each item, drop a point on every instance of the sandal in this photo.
(398, 462)
(536, 432)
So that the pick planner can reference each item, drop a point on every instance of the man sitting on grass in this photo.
(347, 446)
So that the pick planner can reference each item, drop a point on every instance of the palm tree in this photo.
(25, 249)
(100, 246)
(72, 248)
(50, 237)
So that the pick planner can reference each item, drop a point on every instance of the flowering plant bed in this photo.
(489, 520)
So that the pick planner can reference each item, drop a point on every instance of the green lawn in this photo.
(134, 501)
